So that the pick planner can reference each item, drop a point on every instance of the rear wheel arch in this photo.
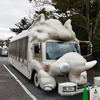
(35, 78)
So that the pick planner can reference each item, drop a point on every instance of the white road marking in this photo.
(21, 84)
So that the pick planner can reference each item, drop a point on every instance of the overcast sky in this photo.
(11, 12)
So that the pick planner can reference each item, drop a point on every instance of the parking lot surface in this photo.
(10, 89)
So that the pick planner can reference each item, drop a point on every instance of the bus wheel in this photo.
(36, 80)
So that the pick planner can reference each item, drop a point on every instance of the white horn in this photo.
(64, 67)
(90, 64)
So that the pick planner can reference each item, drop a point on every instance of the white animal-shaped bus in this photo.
(49, 53)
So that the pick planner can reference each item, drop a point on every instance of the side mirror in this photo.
(86, 48)
(36, 48)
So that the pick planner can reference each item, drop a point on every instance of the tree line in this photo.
(4, 42)
(85, 16)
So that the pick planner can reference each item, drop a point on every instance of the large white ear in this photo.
(90, 64)
(40, 20)
(64, 67)
(68, 24)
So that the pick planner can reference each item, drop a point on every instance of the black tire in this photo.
(36, 80)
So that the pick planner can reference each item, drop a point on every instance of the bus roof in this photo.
(19, 36)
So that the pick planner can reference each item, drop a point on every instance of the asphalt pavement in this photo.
(9, 87)
(11, 90)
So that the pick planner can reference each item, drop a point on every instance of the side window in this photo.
(37, 50)
(24, 49)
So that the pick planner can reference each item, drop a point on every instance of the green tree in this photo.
(48, 14)
(22, 25)
(85, 14)
(7, 42)
(45, 7)
(96, 43)
(4, 42)
(82, 13)
(39, 8)
(1, 42)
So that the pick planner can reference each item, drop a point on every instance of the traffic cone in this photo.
(85, 93)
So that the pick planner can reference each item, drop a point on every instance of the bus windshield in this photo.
(54, 50)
